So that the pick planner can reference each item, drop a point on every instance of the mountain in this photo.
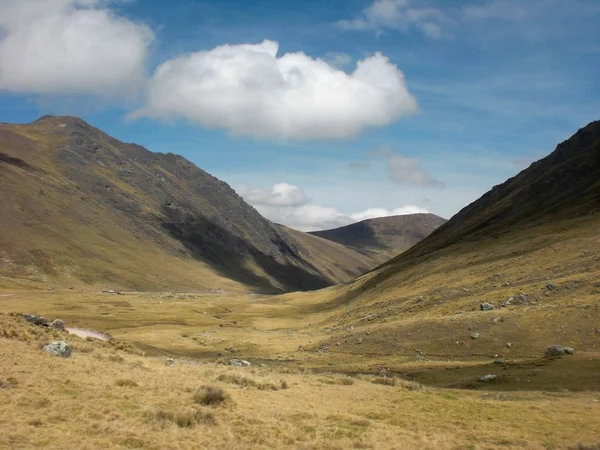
(384, 235)
(530, 248)
(80, 207)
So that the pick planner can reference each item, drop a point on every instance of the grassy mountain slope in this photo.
(384, 236)
(78, 206)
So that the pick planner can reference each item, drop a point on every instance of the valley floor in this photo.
(106, 396)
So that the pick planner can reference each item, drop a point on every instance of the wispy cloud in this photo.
(399, 15)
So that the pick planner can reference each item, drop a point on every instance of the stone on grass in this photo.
(508, 302)
(58, 324)
(58, 348)
(509, 344)
(474, 336)
(499, 361)
(569, 351)
(239, 363)
(485, 306)
(487, 378)
(550, 286)
(555, 350)
(420, 299)
(36, 320)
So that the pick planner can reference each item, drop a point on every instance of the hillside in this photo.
(79, 207)
(384, 235)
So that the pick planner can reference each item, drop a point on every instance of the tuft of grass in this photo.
(243, 381)
(411, 385)
(342, 381)
(391, 381)
(182, 417)
(126, 383)
(209, 396)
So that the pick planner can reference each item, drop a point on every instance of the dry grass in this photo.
(209, 396)
(80, 403)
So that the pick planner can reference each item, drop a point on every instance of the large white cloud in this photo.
(70, 47)
(399, 15)
(282, 194)
(249, 90)
(287, 204)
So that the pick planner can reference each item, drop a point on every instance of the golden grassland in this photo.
(103, 397)
(362, 365)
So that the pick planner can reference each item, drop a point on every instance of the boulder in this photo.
(555, 350)
(239, 363)
(487, 378)
(36, 320)
(58, 348)
(485, 306)
(58, 324)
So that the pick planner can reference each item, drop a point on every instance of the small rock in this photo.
(555, 350)
(523, 298)
(550, 286)
(508, 302)
(339, 344)
(170, 361)
(487, 378)
(58, 348)
(569, 351)
(485, 306)
(420, 299)
(474, 336)
(508, 344)
(499, 361)
(239, 363)
(359, 341)
(497, 319)
(597, 284)
(58, 324)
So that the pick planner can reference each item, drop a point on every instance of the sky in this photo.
(319, 114)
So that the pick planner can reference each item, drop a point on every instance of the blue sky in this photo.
(450, 97)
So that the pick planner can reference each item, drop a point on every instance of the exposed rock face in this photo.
(36, 320)
(58, 348)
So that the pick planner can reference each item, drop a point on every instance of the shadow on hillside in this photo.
(227, 254)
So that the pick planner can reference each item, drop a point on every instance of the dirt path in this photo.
(6, 295)
(82, 333)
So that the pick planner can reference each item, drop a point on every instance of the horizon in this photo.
(317, 115)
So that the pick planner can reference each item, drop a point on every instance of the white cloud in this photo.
(496, 10)
(70, 47)
(287, 205)
(400, 169)
(404, 170)
(249, 90)
(398, 15)
(282, 194)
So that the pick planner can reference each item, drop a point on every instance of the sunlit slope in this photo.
(80, 207)
(535, 239)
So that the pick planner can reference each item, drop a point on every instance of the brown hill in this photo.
(384, 235)
(79, 206)
(530, 248)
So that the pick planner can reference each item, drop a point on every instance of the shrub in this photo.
(126, 382)
(209, 395)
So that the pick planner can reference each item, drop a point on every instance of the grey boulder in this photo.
(58, 348)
